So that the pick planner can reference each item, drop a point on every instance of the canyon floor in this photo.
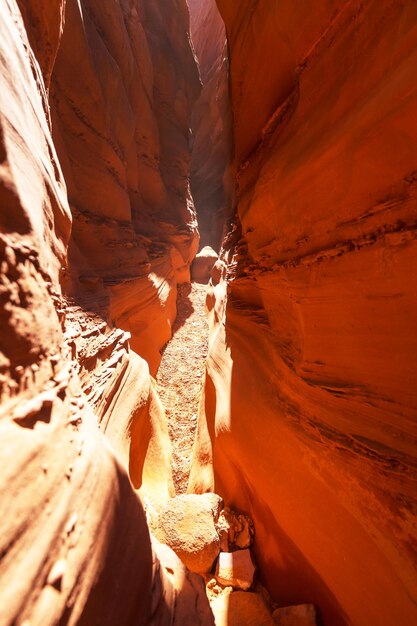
(180, 376)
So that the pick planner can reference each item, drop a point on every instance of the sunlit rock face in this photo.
(309, 414)
(123, 87)
(75, 547)
(211, 179)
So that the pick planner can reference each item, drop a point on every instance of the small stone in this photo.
(235, 569)
(297, 615)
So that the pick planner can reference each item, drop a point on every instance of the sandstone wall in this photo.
(121, 126)
(75, 546)
(211, 179)
(309, 414)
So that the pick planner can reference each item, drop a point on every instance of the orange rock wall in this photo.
(309, 414)
(211, 179)
(74, 543)
(121, 117)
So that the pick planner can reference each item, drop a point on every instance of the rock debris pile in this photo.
(214, 541)
(180, 377)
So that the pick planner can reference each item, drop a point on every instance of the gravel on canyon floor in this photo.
(180, 376)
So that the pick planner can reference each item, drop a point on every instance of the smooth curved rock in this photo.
(125, 156)
(309, 412)
(189, 595)
(299, 615)
(211, 181)
(74, 543)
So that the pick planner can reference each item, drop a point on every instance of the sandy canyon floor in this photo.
(180, 376)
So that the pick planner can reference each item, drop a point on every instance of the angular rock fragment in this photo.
(235, 569)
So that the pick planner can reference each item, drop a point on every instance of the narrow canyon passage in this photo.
(180, 377)
(283, 136)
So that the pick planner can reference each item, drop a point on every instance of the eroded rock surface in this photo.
(75, 546)
(121, 118)
(212, 184)
(309, 413)
(187, 525)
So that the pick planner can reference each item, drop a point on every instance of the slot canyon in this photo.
(208, 305)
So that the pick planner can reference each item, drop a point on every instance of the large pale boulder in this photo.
(203, 264)
(187, 525)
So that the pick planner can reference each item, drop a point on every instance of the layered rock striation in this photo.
(308, 422)
(94, 156)
(211, 179)
(121, 116)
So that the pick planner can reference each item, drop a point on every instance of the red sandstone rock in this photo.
(301, 615)
(309, 411)
(211, 183)
(74, 542)
(203, 265)
(125, 155)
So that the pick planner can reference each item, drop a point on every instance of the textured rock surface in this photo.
(203, 264)
(74, 543)
(211, 181)
(309, 415)
(187, 525)
(121, 126)
(241, 608)
(181, 376)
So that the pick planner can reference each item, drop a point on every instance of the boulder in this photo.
(187, 525)
(203, 264)
(235, 569)
(298, 615)
(241, 609)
